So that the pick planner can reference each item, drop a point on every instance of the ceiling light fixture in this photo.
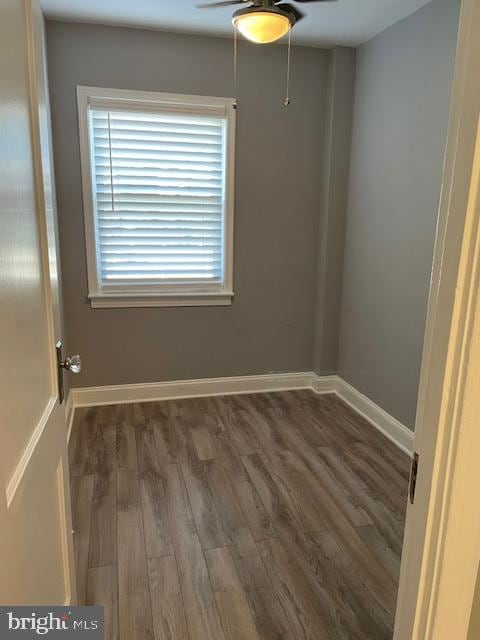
(263, 25)
(263, 22)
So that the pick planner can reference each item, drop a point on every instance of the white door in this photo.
(35, 522)
(441, 549)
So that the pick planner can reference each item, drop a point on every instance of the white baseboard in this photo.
(324, 384)
(392, 428)
(94, 396)
(123, 394)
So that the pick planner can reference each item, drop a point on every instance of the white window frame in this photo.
(149, 295)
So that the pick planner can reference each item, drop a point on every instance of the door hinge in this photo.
(413, 477)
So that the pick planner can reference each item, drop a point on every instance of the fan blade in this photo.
(224, 3)
(289, 8)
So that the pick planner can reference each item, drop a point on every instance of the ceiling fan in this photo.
(263, 21)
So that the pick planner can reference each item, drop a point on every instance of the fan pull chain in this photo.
(235, 55)
(287, 97)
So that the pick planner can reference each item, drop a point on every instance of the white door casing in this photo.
(441, 547)
(35, 520)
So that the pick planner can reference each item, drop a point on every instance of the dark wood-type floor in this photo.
(269, 516)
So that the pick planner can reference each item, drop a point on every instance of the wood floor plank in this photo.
(381, 587)
(203, 443)
(268, 613)
(387, 524)
(244, 551)
(334, 421)
(299, 420)
(75, 435)
(84, 454)
(169, 621)
(145, 440)
(352, 613)
(224, 445)
(232, 603)
(377, 545)
(268, 438)
(340, 601)
(82, 493)
(300, 446)
(158, 538)
(276, 503)
(373, 471)
(92, 447)
(234, 426)
(207, 520)
(303, 561)
(160, 419)
(135, 615)
(126, 447)
(258, 520)
(296, 596)
(102, 590)
(297, 441)
(105, 449)
(384, 448)
(230, 515)
(291, 480)
(148, 458)
(166, 440)
(187, 452)
(103, 530)
(200, 607)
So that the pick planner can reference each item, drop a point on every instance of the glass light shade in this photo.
(262, 27)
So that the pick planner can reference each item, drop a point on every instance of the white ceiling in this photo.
(346, 22)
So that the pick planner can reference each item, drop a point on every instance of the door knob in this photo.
(72, 364)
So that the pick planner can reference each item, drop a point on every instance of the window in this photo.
(157, 173)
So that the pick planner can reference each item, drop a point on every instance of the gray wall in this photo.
(269, 326)
(333, 212)
(403, 82)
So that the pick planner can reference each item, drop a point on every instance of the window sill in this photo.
(121, 301)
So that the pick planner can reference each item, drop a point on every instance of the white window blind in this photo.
(158, 202)
(159, 184)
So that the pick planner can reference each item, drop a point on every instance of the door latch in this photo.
(413, 477)
(71, 363)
